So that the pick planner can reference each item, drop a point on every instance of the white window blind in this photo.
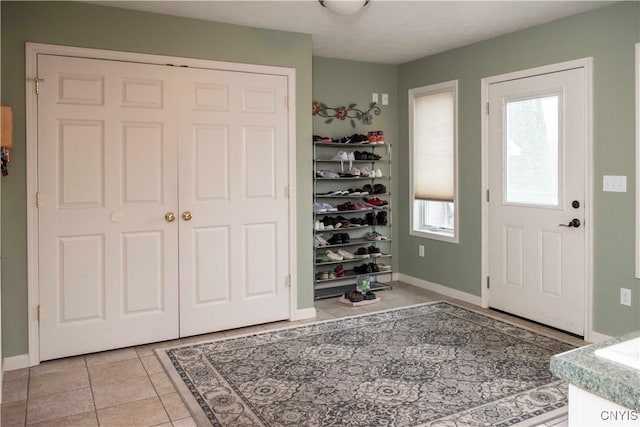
(433, 147)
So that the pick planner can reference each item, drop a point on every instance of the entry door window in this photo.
(533, 150)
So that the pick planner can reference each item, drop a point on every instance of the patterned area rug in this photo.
(434, 364)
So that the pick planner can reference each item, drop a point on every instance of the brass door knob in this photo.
(186, 215)
(169, 217)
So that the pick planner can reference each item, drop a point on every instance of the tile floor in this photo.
(128, 387)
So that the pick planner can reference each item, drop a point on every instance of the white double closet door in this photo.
(123, 147)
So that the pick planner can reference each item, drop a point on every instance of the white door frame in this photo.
(587, 65)
(31, 59)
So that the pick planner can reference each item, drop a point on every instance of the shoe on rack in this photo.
(374, 251)
(378, 173)
(365, 171)
(374, 235)
(340, 271)
(323, 275)
(345, 237)
(319, 241)
(318, 226)
(336, 239)
(371, 218)
(328, 208)
(363, 268)
(345, 254)
(349, 206)
(374, 267)
(332, 275)
(379, 189)
(354, 172)
(362, 253)
(333, 256)
(368, 188)
(381, 217)
(384, 267)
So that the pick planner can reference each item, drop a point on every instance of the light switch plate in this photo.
(625, 296)
(374, 97)
(614, 183)
(385, 99)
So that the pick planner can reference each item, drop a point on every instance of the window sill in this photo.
(434, 235)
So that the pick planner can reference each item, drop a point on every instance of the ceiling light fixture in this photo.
(344, 7)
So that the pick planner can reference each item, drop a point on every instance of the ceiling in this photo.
(385, 31)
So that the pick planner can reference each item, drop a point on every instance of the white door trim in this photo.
(587, 65)
(32, 50)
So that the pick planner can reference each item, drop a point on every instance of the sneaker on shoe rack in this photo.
(384, 267)
(374, 267)
(322, 275)
(374, 235)
(340, 271)
(374, 251)
(362, 253)
(345, 254)
(332, 275)
(378, 173)
(328, 208)
(381, 218)
(336, 239)
(345, 237)
(319, 241)
(378, 189)
(365, 171)
(333, 256)
(318, 226)
(354, 172)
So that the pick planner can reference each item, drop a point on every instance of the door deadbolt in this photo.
(575, 204)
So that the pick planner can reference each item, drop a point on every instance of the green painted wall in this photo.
(608, 35)
(84, 25)
(339, 82)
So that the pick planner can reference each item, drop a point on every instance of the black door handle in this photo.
(574, 223)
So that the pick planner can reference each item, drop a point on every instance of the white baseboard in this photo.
(16, 362)
(304, 313)
(597, 337)
(444, 290)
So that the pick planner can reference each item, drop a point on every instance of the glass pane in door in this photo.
(532, 151)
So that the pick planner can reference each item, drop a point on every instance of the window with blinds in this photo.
(433, 139)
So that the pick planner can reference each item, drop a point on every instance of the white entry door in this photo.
(107, 161)
(121, 148)
(234, 248)
(537, 151)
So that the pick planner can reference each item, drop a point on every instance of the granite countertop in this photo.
(605, 378)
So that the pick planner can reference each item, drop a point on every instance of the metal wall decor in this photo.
(343, 113)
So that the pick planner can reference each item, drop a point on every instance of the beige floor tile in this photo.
(114, 372)
(13, 414)
(185, 422)
(151, 364)
(15, 374)
(59, 381)
(143, 413)
(111, 356)
(117, 393)
(162, 383)
(174, 406)
(15, 390)
(87, 419)
(58, 365)
(58, 405)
